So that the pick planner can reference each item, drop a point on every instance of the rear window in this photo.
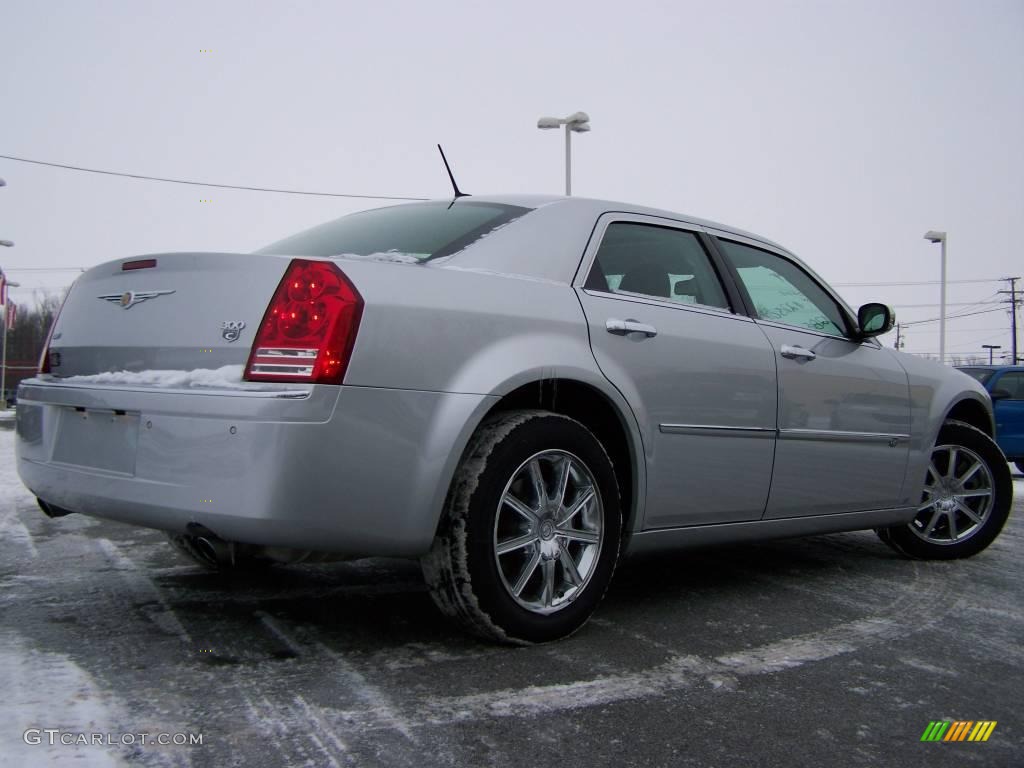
(411, 233)
(981, 374)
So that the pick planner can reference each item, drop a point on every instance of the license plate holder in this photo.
(106, 440)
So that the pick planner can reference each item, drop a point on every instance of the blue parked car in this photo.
(1005, 383)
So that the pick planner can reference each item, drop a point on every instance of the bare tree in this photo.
(26, 339)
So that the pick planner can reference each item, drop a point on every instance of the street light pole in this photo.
(577, 122)
(990, 348)
(940, 237)
(568, 161)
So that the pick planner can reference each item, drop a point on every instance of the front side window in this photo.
(655, 262)
(981, 374)
(413, 233)
(784, 293)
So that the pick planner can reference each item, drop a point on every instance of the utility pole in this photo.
(897, 345)
(1013, 316)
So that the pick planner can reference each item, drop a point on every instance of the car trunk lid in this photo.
(181, 312)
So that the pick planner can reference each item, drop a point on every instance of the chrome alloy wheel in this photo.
(548, 531)
(957, 496)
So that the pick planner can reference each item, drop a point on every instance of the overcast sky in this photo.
(843, 130)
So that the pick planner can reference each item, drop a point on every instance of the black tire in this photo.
(462, 569)
(190, 547)
(910, 539)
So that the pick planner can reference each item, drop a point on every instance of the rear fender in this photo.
(442, 439)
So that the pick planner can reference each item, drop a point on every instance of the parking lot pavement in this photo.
(823, 651)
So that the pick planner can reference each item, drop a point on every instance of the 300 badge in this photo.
(232, 329)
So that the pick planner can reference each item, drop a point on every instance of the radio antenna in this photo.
(448, 168)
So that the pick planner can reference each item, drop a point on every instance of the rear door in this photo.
(844, 404)
(1009, 412)
(699, 375)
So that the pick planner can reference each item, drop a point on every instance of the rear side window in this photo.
(784, 293)
(414, 233)
(1011, 382)
(657, 262)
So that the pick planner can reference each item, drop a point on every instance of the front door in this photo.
(844, 404)
(1009, 411)
(699, 376)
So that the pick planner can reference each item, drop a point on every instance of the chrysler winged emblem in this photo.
(129, 299)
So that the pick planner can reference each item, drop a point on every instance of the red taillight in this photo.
(44, 358)
(309, 328)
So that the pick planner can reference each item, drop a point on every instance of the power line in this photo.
(974, 342)
(965, 312)
(967, 330)
(206, 183)
(907, 282)
(948, 304)
(46, 269)
(953, 317)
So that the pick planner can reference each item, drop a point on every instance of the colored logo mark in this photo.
(958, 730)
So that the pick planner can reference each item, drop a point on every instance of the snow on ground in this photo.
(42, 690)
(103, 630)
(13, 493)
(45, 691)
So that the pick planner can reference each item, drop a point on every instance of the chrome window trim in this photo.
(820, 334)
(639, 298)
(608, 218)
(797, 262)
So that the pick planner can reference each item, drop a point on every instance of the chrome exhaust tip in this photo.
(51, 511)
(215, 551)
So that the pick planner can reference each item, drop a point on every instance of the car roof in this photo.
(993, 367)
(597, 206)
(564, 225)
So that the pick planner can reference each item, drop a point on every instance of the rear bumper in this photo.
(353, 470)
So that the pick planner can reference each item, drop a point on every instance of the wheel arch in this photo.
(966, 406)
(600, 409)
(971, 411)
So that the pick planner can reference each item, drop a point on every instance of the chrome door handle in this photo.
(624, 327)
(796, 353)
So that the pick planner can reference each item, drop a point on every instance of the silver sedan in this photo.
(516, 390)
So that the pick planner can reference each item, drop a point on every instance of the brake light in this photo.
(309, 328)
(44, 358)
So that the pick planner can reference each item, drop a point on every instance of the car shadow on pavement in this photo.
(375, 604)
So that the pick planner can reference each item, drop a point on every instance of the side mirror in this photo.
(1000, 394)
(685, 285)
(874, 319)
